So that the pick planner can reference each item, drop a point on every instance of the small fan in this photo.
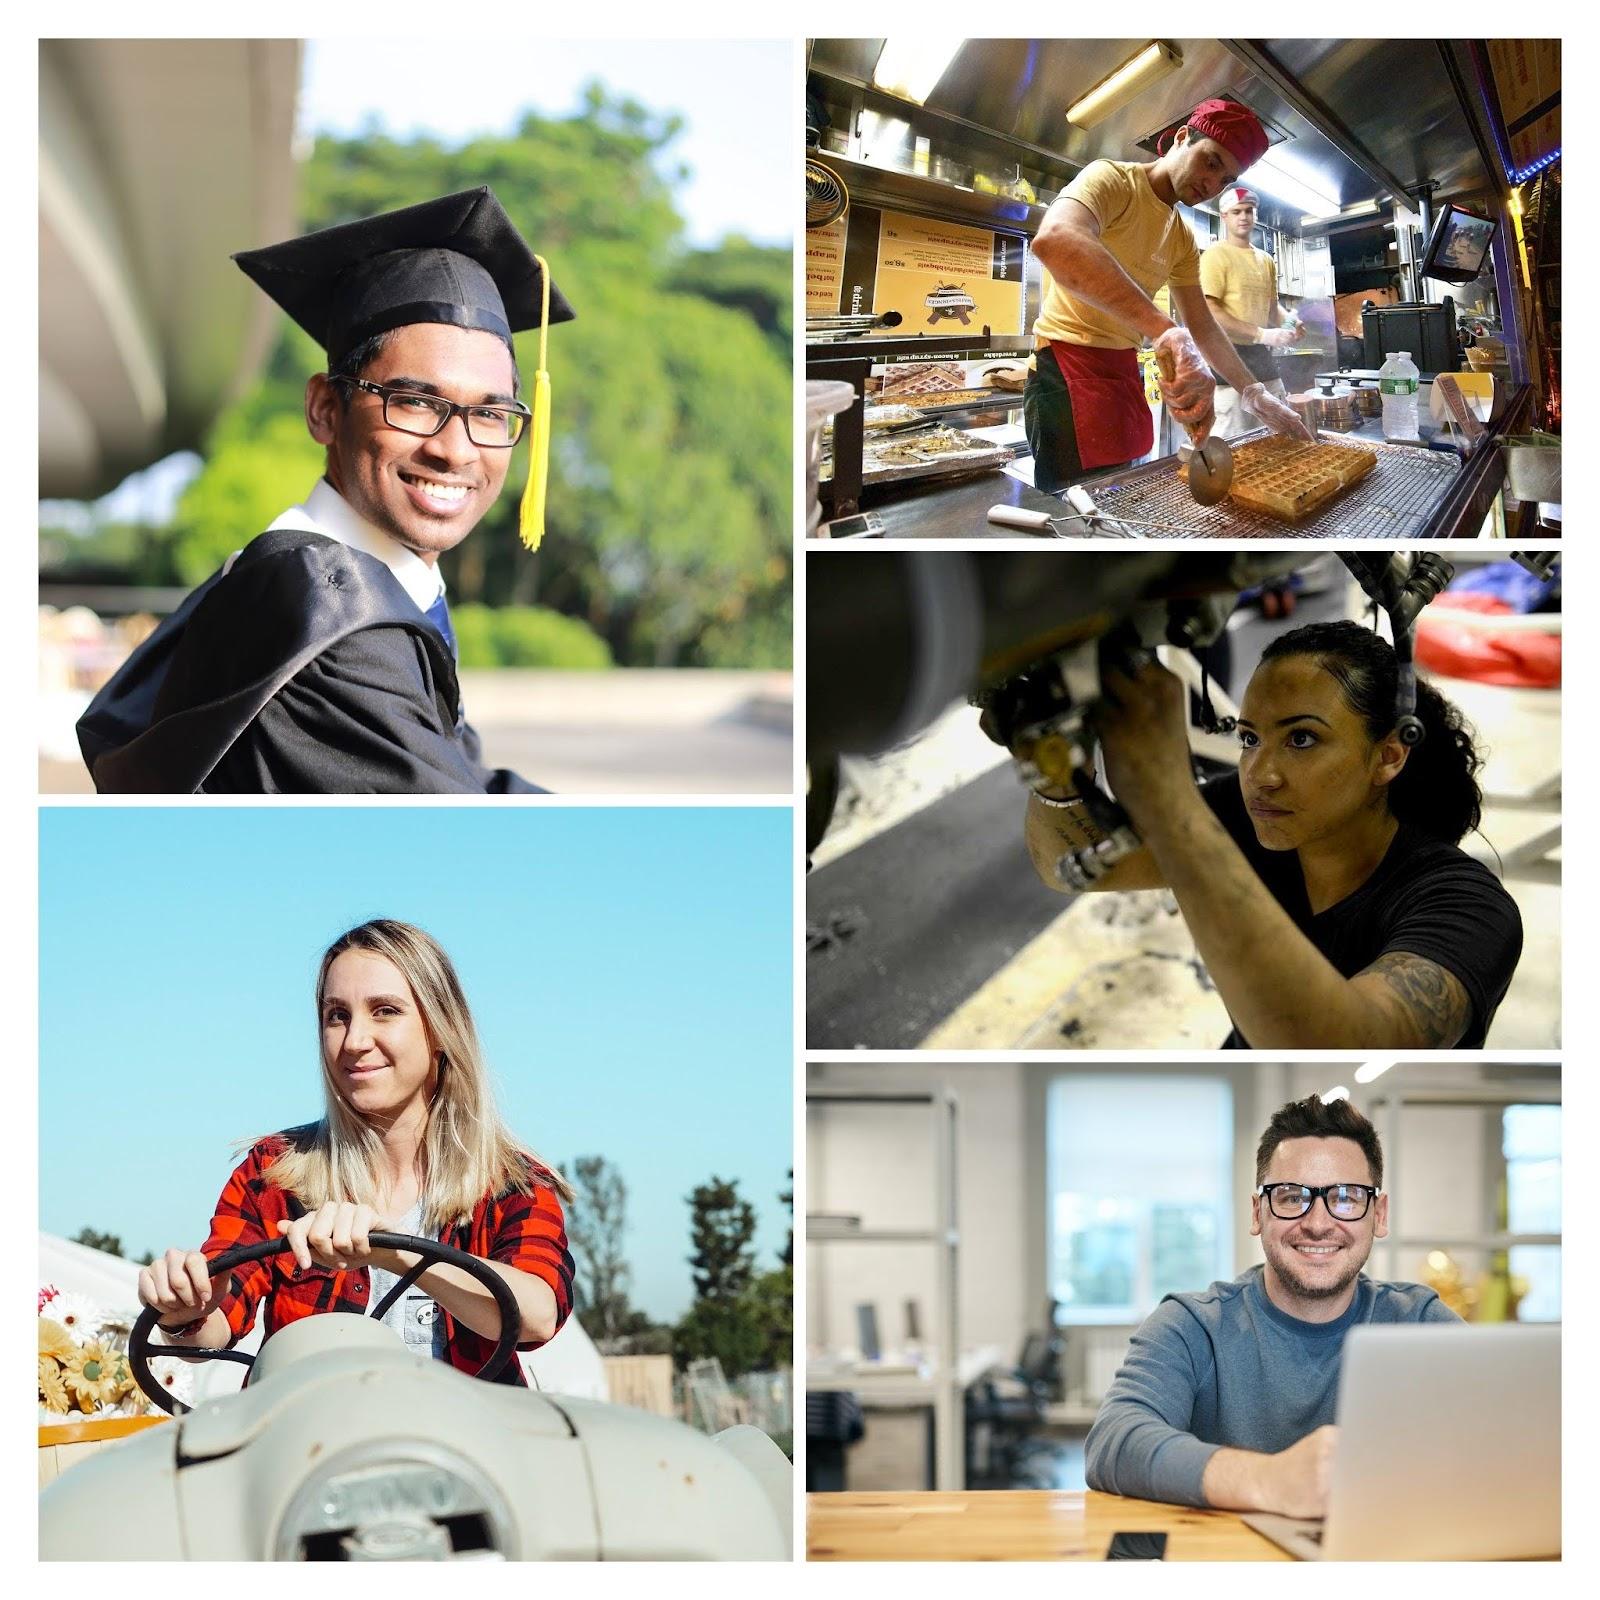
(827, 199)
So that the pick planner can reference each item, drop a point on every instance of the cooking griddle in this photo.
(1393, 501)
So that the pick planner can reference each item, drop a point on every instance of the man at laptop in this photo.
(1227, 1396)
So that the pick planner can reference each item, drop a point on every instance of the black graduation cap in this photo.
(458, 260)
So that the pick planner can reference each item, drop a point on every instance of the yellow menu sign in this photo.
(824, 268)
(946, 277)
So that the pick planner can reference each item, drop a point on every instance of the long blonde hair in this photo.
(467, 1151)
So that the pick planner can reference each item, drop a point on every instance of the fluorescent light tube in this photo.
(1369, 1070)
(1132, 78)
(1269, 173)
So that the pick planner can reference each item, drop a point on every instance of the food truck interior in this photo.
(1409, 200)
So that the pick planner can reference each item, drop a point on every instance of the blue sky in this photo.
(629, 970)
(736, 97)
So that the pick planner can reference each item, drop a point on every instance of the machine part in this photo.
(431, 1250)
(1401, 586)
(383, 1501)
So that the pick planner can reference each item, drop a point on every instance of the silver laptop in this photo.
(1449, 1448)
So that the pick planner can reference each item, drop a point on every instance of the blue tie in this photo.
(439, 615)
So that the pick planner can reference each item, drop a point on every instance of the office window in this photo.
(1531, 1145)
(1139, 1175)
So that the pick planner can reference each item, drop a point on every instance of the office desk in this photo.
(1016, 1525)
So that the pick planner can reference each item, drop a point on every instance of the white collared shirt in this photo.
(327, 512)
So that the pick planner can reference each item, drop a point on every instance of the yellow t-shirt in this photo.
(1244, 279)
(1151, 242)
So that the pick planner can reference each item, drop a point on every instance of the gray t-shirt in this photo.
(1227, 1367)
(414, 1316)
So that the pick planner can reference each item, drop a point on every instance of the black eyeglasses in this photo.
(1345, 1202)
(492, 427)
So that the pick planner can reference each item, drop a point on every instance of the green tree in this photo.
(596, 1224)
(111, 1243)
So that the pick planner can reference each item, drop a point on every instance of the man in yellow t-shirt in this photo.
(1241, 285)
(1107, 245)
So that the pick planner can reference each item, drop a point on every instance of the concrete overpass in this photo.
(157, 159)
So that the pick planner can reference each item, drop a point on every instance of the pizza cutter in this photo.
(1210, 470)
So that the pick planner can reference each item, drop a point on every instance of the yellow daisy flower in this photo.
(52, 1391)
(54, 1340)
(91, 1376)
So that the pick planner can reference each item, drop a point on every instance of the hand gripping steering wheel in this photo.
(431, 1250)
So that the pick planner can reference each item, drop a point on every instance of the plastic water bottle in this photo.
(1398, 382)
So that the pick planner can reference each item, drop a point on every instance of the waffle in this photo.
(922, 377)
(1289, 480)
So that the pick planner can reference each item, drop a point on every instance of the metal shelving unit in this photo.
(944, 1383)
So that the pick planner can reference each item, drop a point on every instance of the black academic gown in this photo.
(302, 668)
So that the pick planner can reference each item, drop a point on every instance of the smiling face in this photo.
(1313, 1261)
(1200, 168)
(1307, 765)
(429, 494)
(375, 1045)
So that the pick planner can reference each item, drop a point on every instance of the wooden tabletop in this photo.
(1016, 1525)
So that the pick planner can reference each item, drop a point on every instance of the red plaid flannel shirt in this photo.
(525, 1231)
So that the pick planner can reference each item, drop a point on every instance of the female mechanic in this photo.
(1323, 886)
(409, 1142)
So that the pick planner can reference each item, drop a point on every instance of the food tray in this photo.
(1394, 501)
(906, 460)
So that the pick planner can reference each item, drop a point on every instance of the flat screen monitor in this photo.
(1459, 246)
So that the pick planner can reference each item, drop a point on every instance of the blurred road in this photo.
(628, 732)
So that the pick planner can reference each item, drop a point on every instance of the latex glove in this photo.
(1274, 413)
(1186, 382)
(1280, 338)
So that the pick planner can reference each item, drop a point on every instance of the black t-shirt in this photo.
(1426, 897)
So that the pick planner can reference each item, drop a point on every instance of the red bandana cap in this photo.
(1232, 125)
(1232, 199)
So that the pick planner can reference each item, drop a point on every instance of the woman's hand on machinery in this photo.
(335, 1235)
(178, 1287)
(1142, 725)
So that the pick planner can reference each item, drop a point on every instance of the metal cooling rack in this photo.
(1394, 500)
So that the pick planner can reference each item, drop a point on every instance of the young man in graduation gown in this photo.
(321, 659)
(1106, 245)
(1241, 287)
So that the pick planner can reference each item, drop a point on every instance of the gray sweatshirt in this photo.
(1227, 1367)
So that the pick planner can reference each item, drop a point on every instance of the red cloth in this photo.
(525, 1231)
(1515, 659)
(1109, 413)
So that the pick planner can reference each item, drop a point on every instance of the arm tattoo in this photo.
(1431, 998)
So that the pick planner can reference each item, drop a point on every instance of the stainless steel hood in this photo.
(1365, 117)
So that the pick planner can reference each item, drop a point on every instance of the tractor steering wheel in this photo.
(431, 1250)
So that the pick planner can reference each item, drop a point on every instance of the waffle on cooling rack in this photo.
(1289, 480)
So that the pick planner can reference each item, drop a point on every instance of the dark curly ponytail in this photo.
(1437, 789)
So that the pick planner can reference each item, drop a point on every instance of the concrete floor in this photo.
(625, 732)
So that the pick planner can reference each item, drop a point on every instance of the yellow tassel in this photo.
(530, 520)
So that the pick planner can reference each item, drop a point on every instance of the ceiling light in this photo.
(1367, 208)
(1132, 78)
(1369, 1070)
(1338, 1093)
(1272, 174)
(910, 66)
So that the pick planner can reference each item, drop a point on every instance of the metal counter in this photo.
(1414, 494)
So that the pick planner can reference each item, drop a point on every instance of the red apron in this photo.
(1109, 413)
